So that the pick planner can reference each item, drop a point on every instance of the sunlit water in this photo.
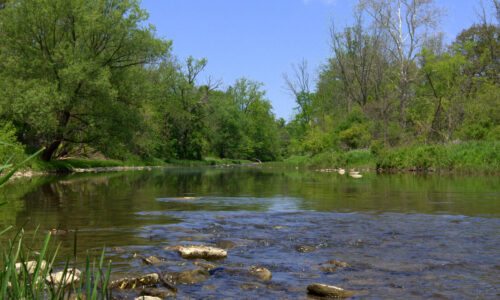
(404, 236)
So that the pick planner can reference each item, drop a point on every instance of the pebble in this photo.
(305, 249)
(328, 291)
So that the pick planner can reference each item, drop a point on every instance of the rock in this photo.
(305, 248)
(278, 227)
(341, 171)
(152, 260)
(328, 291)
(183, 198)
(338, 263)
(333, 265)
(160, 293)
(354, 175)
(250, 286)
(261, 273)
(202, 252)
(205, 266)
(147, 298)
(64, 278)
(60, 231)
(225, 244)
(30, 266)
(188, 277)
(149, 280)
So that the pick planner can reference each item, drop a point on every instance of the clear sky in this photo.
(260, 39)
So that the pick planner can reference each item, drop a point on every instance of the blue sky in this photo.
(260, 39)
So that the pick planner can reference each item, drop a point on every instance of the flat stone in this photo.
(204, 252)
(328, 291)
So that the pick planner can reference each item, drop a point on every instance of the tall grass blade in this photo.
(7, 176)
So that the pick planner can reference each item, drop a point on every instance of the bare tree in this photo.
(299, 82)
(356, 53)
(406, 22)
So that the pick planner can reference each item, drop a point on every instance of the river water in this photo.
(403, 236)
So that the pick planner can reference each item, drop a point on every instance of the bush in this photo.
(11, 148)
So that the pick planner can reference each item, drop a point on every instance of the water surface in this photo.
(403, 236)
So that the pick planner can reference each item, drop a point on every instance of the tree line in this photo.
(391, 80)
(86, 76)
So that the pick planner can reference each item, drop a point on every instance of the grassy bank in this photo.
(461, 157)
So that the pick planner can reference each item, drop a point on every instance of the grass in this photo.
(26, 281)
(477, 156)
(353, 158)
(465, 157)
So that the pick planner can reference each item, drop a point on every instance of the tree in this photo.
(299, 86)
(64, 67)
(406, 23)
(179, 109)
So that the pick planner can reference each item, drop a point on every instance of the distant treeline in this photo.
(88, 76)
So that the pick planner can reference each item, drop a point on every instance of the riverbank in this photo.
(82, 165)
(464, 157)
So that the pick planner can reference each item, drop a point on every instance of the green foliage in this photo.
(10, 148)
(74, 87)
(466, 156)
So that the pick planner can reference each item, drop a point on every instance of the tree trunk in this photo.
(52, 148)
(49, 151)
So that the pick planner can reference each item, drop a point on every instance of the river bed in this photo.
(400, 236)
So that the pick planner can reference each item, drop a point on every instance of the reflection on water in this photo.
(403, 235)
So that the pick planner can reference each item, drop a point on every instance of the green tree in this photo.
(66, 66)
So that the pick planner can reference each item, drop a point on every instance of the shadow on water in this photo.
(403, 235)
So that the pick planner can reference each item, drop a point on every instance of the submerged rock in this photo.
(225, 244)
(30, 266)
(152, 260)
(260, 272)
(305, 248)
(205, 252)
(160, 293)
(64, 278)
(333, 265)
(328, 291)
(189, 276)
(149, 280)
(205, 266)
